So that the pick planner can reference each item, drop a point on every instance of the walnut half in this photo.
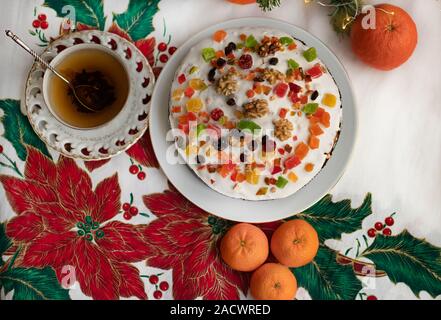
(272, 75)
(283, 129)
(227, 84)
(256, 108)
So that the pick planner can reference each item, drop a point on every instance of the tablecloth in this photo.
(168, 248)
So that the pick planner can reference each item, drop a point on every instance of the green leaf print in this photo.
(325, 279)
(137, 21)
(331, 219)
(5, 243)
(88, 12)
(407, 259)
(33, 284)
(18, 130)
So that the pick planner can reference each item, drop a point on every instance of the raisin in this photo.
(314, 95)
(231, 102)
(273, 61)
(221, 62)
(211, 75)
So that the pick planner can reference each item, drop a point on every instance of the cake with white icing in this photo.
(255, 113)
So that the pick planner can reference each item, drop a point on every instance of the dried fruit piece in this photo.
(197, 84)
(262, 191)
(189, 92)
(315, 129)
(281, 89)
(248, 125)
(181, 79)
(310, 54)
(314, 142)
(251, 42)
(309, 167)
(216, 114)
(329, 100)
(315, 72)
(286, 40)
(177, 94)
(219, 35)
(310, 108)
(325, 119)
(291, 162)
(292, 177)
(194, 105)
(208, 54)
(193, 69)
(292, 64)
(301, 150)
(245, 61)
(281, 182)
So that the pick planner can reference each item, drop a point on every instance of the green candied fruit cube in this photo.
(310, 54)
(310, 108)
(251, 42)
(200, 128)
(281, 182)
(286, 41)
(248, 125)
(292, 64)
(208, 54)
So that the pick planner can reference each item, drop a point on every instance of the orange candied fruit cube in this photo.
(325, 119)
(314, 142)
(220, 54)
(315, 129)
(302, 150)
(243, 37)
(176, 109)
(319, 112)
(292, 46)
(309, 167)
(219, 35)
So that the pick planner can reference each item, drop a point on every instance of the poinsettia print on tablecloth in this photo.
(62, 221)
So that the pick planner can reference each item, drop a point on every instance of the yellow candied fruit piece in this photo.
(238, 114)
(191, 149)
(292, 177)
(329, 100)
(197, 84)
(177, 94)
(251, 177)
(194, 105)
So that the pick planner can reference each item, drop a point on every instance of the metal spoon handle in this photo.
(18, 41)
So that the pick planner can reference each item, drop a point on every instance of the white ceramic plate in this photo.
(194, 189)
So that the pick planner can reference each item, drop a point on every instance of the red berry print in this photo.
(216, 114)
(126, 206)
(44, 25)
(378, 226)
(142, 175)
(36, 23)
(127, 216)
(163, 58)
(164, 286)
(1, 149)
(371, 232)
(162, 46)
(389, 221)
(371, 297)
(157, 294)
(133, 211)
(387, 232)
(134, 169)
(246, 61)
(154, 279)
(172, 50)
(42, 17)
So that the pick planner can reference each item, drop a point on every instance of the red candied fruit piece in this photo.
(182, 79)
(281, 89)
(189, 92)
(245, 61)
(294, 87)
(315, 72)
(292, 162)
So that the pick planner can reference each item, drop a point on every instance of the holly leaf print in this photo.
(88, 12)
(407, 259)
(331, 219)
(137, 21)
(183, 239)
(33, 284)
(18, 130)
(5, 243)
(325, 279)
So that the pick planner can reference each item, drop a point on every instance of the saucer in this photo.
(111, 138)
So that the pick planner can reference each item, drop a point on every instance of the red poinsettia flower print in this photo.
(62, 221)
(185, 238)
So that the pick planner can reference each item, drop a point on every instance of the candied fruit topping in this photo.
(194, 105)
(197, 84)
(310, 54)
(292, 177)
(219, 35)
(329, 100)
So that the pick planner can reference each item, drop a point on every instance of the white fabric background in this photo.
(398, 151)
